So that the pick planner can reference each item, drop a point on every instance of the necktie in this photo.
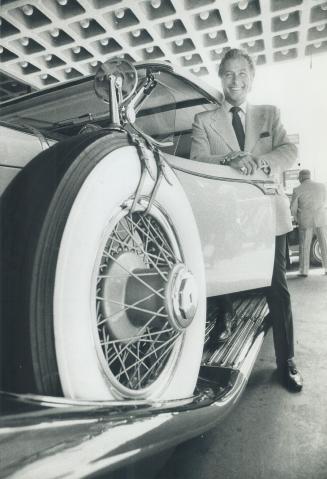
(238, 127)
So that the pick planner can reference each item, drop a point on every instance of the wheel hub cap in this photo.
(181, 297)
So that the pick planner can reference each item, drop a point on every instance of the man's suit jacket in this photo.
(309, 204)
(213, 137)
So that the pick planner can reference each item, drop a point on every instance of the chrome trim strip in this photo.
(10, 167)
(259, 184)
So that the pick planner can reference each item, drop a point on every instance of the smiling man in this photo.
(247, 137)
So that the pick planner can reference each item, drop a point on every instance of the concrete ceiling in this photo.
(47, 42)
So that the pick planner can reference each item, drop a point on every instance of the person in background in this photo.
(309, 208)
(247, 137)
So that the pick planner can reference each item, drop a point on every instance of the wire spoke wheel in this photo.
(136, 337)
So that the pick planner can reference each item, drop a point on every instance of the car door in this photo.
(235, 217)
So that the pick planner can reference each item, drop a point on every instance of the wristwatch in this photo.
(225, 160)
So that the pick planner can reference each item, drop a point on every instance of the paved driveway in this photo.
(272, 434)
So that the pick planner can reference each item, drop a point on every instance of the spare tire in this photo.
(99, 302)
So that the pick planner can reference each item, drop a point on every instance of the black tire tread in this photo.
(34, 210)
(314, 259)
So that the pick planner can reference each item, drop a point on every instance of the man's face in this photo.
(236, 80)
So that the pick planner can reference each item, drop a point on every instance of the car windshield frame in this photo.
(37, 111)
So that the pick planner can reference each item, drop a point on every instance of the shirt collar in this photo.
(228, 106)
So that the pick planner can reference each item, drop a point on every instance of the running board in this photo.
(249, 318)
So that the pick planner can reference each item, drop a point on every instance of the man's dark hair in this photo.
(304, 175)
(235, 53)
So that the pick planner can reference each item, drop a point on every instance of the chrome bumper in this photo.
(56, 437)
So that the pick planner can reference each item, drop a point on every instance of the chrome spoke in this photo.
(102, 276)
(106, 349)
(117, 313)
(164, 354)
(129, 351)
(138, 370)
(124, 371)
(142, 329)
(154, 233)
(152, 238)
(132, 274)
(164, 251)
(149, 354)
(142, 338)
(153, 340)
(161, 249)
(148, 257)
(135, 308)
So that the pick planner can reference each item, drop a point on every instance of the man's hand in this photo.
(242, 161)
(262, 165)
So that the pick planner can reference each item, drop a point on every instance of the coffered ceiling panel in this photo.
(47, 42)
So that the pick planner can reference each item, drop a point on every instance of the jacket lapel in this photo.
(221, 124)
(254, 122)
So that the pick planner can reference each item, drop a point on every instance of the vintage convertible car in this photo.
(114, 246)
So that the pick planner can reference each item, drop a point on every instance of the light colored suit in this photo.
(265, 137)
(309, 202)
(309, 208)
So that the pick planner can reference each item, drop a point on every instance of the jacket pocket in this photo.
(263, 145)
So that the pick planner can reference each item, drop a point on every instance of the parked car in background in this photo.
(112, 245)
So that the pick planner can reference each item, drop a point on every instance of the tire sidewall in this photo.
(315, 259)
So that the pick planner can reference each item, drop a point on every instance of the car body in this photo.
(114, 246)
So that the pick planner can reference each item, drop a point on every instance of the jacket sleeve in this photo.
(283, 153)
(200, 147)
